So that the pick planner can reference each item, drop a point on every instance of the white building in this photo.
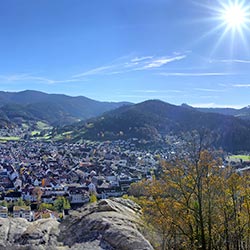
(23, 212)
(3, 212)
(78, 197)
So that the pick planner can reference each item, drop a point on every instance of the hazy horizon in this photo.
(178, 104)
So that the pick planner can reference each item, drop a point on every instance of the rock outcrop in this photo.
(106, 225)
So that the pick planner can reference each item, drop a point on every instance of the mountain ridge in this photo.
(154, 119)
(243, 113)
(55, 109)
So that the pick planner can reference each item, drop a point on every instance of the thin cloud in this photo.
(95, 71)
(139, 59)
(231, 61)
(30, 77)
(210, 90)
(14, 77)
(184, 74)
(157, 63)
(241, 85)
(122, 66)
(118, 66)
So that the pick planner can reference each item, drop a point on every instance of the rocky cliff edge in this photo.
(106, 225)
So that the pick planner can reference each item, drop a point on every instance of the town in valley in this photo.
(34, 172)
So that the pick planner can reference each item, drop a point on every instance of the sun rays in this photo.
(231, 24)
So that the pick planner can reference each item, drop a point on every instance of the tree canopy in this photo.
(197, 204)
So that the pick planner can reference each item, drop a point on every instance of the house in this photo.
(23, 212)
(78, 197)
(18, 183)
(92, 188)
(58, 191)
(105, 191)
(13, 175)
(6, 182)
(3, 212)
(50, 198)
(46, 213)
(13, 196)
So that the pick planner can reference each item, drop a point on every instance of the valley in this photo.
(125, 125)
(102, 156)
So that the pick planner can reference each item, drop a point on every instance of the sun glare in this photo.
(230, 20)
(234, 16)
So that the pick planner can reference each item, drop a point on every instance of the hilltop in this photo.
(154, 119)
(54, 109)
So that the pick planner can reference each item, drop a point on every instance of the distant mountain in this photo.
(56, 109)
(154, 119)
(243, 113)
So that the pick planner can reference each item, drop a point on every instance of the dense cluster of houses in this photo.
(26, 213)
(36, 171)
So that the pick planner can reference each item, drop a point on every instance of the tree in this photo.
(93, 198)
(4, 203)
(19, 202)
(37, 192)
(198, 205)
(61, 203)
(137, 189)
(44, 206)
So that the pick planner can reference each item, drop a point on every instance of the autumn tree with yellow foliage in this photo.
(197, 204)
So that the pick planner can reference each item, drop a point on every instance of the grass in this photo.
(238, 157)
(58, 137)
(67, 133)
(35, 132)
(25, 126)
(46, 137)
(42, 125)
(10, 138)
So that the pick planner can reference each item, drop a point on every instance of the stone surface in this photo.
(106, 225)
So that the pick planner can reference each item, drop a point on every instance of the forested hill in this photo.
(243, 113)
(55, 109)
(153, 119)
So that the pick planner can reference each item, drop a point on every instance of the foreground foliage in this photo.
(197, 204)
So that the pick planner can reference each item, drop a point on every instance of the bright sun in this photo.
(235, 16)
(232, 19)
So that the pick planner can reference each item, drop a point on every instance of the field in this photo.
(10, 138)
(43, 126)
(238, 157)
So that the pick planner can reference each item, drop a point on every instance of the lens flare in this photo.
(234, 16)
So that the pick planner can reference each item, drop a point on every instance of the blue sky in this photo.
(179, 51)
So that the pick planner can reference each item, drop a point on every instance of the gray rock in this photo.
(106, 225)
